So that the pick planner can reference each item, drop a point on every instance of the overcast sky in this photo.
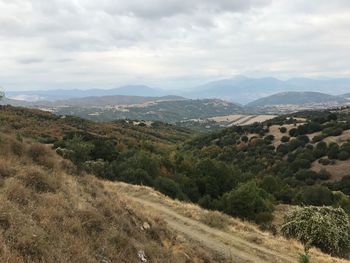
(169, 43)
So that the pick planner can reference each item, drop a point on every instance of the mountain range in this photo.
(239, 89)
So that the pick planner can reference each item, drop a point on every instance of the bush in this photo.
(285, 139)
(283, 129)
(41, 155)
(343, 156)
(40, 181)
(317, 138)
(327, 228)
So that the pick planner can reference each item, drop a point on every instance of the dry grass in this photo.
(337, 170)
(47, 215)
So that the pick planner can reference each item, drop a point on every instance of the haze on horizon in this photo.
(169, 44)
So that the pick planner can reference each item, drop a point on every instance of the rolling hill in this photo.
(296, 98)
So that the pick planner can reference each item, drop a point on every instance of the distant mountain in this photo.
(244, 90)
(239, 89)
(52, 95)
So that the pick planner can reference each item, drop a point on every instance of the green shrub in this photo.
(327, 228)
(343, 156)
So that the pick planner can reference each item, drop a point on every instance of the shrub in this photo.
(41, 155)
(317, 138)
(327, 228)
(283, 129)
(215, 219)
(285, 139)
(6, 169)
(324, 174)
(41, 181)
(343, 155)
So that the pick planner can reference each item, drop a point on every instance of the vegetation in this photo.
(242, 171)
(48, 215)
(324, 227)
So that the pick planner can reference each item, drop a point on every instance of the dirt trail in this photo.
(234, 248)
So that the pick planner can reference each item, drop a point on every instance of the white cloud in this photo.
(85, 43)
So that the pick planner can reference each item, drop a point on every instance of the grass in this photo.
(48, 215)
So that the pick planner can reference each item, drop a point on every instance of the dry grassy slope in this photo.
(48, 214)
(237, 240)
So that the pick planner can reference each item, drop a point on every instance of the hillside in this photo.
(296, 101)
(296, 98)
(164, 109)
(49, 214)
(242, 171)
(105, 101)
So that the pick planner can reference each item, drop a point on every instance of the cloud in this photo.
(110, 42)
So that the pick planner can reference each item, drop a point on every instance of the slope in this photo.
(49, 214)
(296, 98)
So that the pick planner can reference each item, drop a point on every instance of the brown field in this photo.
(338, 170)
(239, 119)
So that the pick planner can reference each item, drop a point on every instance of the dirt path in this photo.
(234, 248)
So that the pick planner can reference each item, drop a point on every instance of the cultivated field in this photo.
(239, 119)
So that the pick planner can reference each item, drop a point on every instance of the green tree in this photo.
(247, 201)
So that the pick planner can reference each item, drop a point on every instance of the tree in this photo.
(247, 201)
(285, 139)
(269, 184)
(2, 95)
(343, 156)
(283, 129)
(327, 228)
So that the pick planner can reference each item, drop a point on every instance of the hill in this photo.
(170, 109)
(52, 212)
(105, 101)
(49, 214)
(296, 98)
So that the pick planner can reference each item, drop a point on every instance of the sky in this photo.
(169, 44)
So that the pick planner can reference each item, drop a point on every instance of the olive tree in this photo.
(324, 227)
